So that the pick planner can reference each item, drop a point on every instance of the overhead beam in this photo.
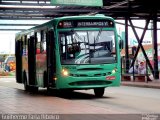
(70, 10)
(118, 4)
(25, 4)
(136, 26)
(11, 29)
(43, 10)
(18, 24)
(25, 15)
(39, 8)
(51, 12)
(25, 18)
(28, 0)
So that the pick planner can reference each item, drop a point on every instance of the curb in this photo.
(143, 85)
(7, 76)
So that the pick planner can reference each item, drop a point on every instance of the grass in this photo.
(4, 73)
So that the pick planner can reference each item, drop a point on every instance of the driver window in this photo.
(69, 46)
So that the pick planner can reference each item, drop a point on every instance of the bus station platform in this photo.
(151, 83)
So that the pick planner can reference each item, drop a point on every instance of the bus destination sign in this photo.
(94, 24)
(80, 24)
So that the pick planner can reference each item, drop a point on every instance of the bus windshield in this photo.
(87, 47)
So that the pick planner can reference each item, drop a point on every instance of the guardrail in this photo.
(135, 75)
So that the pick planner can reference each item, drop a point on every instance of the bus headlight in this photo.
(114, 70)
(65, 72)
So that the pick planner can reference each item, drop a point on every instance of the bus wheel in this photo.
(49, 91)
(45, 79)
(99, 92)
(33, 89)
(26, 87)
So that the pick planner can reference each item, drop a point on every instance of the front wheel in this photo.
(99, 92)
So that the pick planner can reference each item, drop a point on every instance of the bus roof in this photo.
(55, 20)
(85, 17)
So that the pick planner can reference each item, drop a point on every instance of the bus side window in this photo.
(43, 41)
(24, 52)
(38, 36)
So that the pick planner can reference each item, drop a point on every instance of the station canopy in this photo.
(44, 10)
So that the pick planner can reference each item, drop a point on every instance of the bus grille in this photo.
(93, 82)
(90, 69)
(87, 75)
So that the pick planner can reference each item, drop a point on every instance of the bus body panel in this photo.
(80, 76)
(89, 76)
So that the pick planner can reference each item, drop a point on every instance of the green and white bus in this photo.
(71, 53)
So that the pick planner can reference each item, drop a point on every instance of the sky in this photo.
(7, 38)
(7, 42)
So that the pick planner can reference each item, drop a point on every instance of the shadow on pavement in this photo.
(73, 95)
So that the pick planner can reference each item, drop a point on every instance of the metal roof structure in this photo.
(42, 9)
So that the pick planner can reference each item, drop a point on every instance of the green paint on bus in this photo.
(75, 52)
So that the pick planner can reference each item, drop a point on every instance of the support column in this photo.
(126, 46)
(140, 40)
(155, 47)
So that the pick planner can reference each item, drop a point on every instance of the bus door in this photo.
(32, 60)
(51, 59)
(18, 52)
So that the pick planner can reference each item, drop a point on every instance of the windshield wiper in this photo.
(89, 48)
(99, 33)
(77, 34)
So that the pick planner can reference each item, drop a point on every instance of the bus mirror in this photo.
(121, 45)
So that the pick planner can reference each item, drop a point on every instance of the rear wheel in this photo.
(49, 91)
(99, 92)
(26, 87)
(33, 89)
(45, 79)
